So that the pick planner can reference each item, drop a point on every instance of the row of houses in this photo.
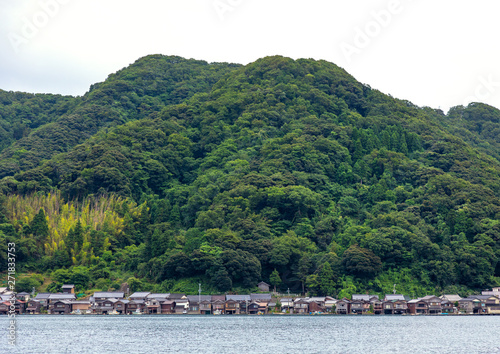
(427, 305)
(167, 303)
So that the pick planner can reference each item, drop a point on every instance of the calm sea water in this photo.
(253, 334)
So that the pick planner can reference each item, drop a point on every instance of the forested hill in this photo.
(174, 172)
(131, 94)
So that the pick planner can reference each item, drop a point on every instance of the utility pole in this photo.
(199, 297)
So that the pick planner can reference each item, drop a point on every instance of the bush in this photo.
(27, 284)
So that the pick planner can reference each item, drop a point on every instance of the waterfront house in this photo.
(320, 301)
(359, 307)
(206, 307)
(177, 297)
(450, 303)
(447, 307)
(242, 301)
(60, 307)
(388, 307)
(377, 306)
(263, 307)
(68, 289)
(104, 307)
(81, 305)
(218, 303)
(33, 307)
(120, 306)
(253, 308)
(480, 305)
(418, 307)
(194, 303)
(400, 307)
(492, 305)
(167, 307)
(394, 304)
(468, 305)
(135, 306)
(44, 299)
(433, 304)
(231, 307)
(287, 304)
(301, 305)
(263, 286)
(19, 305)
(330, 303)
(343, 307)
(153, 306)
(316, 306)
(181, 306)
(58, 297)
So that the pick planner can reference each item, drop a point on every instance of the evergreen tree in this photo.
(326, 280)
(275, 279)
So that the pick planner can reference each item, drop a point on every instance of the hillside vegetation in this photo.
(175, 171)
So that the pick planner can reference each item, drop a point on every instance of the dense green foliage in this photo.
(291, 172)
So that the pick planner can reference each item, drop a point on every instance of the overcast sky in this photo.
(433, 53)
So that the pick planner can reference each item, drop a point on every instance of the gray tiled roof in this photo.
(364, 297)
(266, 297)
(394, 297)
(109, 294)
(196, 298)
(137, 301)
(42, 296)
(451, 298)
(62, 297)
(158, 296)
(140, 294)
(238, 297)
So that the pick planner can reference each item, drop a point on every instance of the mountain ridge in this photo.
(227, 173)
